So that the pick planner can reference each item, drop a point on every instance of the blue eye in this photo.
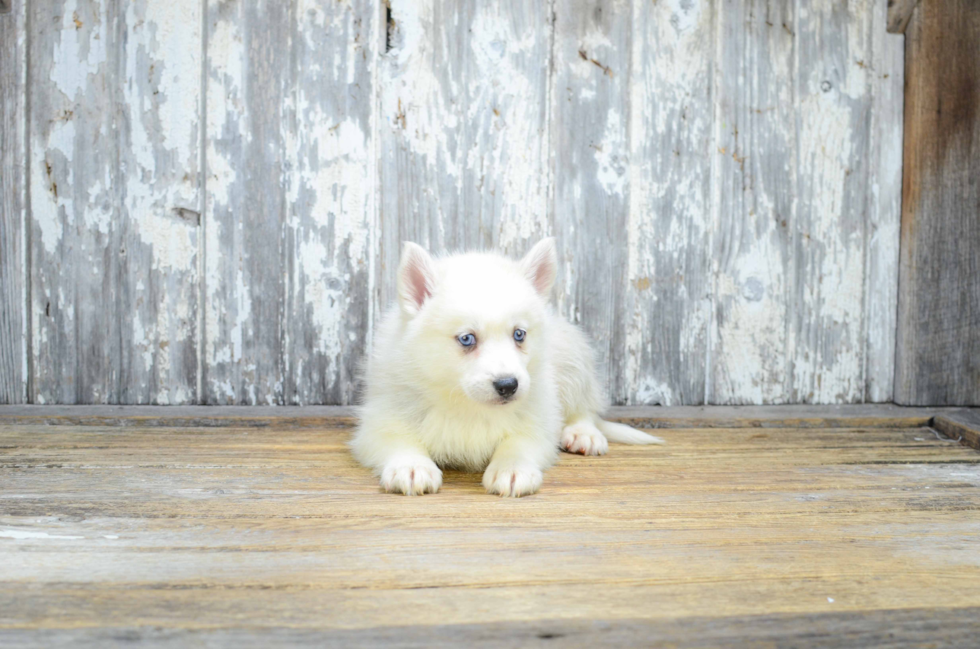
(519, 335)
(466, 340)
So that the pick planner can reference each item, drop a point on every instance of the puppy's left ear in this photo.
(540, 266)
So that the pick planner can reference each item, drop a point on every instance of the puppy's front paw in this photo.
(515, 481)
(583, 438)
(411, 476)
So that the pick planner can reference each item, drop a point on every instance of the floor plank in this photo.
(882, 629)
(264, 535)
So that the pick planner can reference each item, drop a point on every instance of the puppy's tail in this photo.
(624, 434)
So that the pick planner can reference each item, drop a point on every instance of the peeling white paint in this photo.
(686, 15)
(227, 304)
(669, 313)
(828, 352)
(174, 242)
(84, 41)
(414, 99)
(719, 298)
(50, 203)
(651, 392)
(324, 297)
(881, 293)
(611, 156)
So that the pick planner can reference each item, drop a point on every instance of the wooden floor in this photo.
(270, 534)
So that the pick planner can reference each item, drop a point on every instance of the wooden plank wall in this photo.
(219, 190)
(114, 137)
(938, 353)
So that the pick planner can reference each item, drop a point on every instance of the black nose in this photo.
(505, 387)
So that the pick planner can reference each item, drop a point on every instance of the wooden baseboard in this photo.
(649, 417)
(962, 424)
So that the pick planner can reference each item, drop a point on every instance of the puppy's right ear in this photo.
(540, 266)
(416, 278)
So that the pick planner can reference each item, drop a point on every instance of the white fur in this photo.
(431, 401)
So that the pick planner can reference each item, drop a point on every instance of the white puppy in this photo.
(474, 370)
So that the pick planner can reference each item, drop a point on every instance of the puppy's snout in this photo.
(505, 387)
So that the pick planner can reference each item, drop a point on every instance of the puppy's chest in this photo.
(463, 440)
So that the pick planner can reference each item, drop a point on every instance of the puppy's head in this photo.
(475, 323)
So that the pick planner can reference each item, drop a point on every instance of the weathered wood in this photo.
(74, 194)
(290, 217)
(884, 210)
(961, 425)
(938, 349)
(13, 203)
(635, 132)
(463, 128)
(756, 211)
(252, 534)
(589, 126)
(158, 171)
(248, 69)
(899, 14)
(667, 310)
(114, 150)
(798, 416)
(331, 252)
(891, 629)
(798, 155)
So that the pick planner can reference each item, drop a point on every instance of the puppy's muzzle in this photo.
(505, 387)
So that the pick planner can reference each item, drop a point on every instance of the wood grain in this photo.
(159, 222)
(757, 181)
(667, 310)
(13, 203)
(114, 175)
(290, 219)
(74, 193)
(802, 230)
(835, 89)
(181, 534)
(938, 350)
(330, 233)
(884, 209)
(892, 629)
(591, 152)
(248, 64)
(951, 627)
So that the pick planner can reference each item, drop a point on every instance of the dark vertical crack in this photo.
(390, 24)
